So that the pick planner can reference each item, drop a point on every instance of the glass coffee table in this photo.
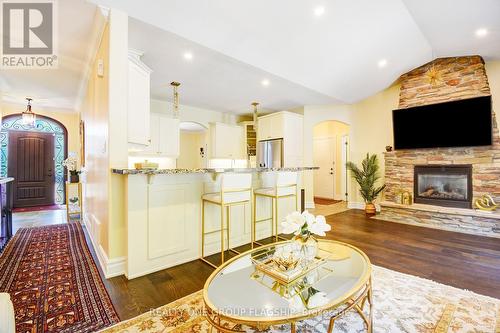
(239, 295)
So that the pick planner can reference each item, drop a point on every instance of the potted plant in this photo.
(366, 177)
(71, 165)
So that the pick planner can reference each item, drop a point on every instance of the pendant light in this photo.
(175, 85)
(28, 117)
(255, 115)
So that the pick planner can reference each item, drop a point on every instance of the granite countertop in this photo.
(4, 180)
(208, 170)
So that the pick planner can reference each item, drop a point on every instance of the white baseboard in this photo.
(360, 205)
(110, 267)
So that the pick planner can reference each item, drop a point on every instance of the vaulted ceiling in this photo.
(330, 49)
(306, 51)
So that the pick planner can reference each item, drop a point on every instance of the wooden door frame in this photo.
(65, 134)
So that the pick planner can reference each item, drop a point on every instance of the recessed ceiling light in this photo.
(481, 32)
(382, 63)
(265, 82)
(188, 56)
(318, 11)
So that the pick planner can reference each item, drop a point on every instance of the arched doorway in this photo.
(330, 153)
(193, 145)
(26, 151)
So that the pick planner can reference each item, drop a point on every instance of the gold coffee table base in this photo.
(227, 325)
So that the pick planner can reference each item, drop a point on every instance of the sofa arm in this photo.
(7, 319)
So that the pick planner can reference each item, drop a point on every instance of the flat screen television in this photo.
(463, 123)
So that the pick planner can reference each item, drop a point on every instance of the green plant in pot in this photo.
(367, 177)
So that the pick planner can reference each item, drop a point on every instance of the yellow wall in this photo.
(371, 130)
(334, 129)
(69, 118)
(190, 143)
(95, 116)
(103, 112)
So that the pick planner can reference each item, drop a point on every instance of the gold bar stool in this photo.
(285, 185)
(235, 189)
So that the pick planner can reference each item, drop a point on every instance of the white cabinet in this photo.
(289, 127)
(164, 133)
(138, 100)
(227, 141)
(271, 126)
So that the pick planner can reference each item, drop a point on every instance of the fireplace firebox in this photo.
(443, 185)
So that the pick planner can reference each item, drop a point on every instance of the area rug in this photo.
(403, 303)
(54, 282)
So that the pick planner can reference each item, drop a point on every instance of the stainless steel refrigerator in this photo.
(270, 153)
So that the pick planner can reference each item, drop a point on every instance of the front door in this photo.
(324, 158)
(31, 163)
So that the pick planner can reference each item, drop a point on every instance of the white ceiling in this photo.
(236, 44)
(211, 79)
(335, 54)
(56, 88)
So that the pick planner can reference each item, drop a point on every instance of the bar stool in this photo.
(284, 185)
(235, 189)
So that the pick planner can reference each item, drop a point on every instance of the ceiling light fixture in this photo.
(175, 86)
(481, 32)
(188, 56)
(382, 63)
(318, 11)
(255, 116)
(265, 82)
(28, 117)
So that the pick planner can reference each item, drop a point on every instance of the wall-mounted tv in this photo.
(463, 123)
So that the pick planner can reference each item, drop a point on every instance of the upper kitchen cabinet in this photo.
(164, 131)
(227, 141)
(287, 126)
(271, 126)
(138, 100)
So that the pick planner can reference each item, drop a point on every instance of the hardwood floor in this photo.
(463, 261)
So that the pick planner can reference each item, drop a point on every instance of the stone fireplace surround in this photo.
(457, 78)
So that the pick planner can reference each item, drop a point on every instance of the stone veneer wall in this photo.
(457, 78)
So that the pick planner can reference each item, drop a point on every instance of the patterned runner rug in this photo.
(403, 303)
(54, 282)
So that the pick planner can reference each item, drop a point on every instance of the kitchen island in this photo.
(163, 214)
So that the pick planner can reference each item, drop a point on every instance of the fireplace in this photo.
(443, 185)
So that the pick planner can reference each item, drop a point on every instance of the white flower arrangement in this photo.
(71, 165)
(305, 224)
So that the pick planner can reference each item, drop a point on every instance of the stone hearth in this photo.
(458, 78)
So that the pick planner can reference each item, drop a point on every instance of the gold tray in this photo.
(263, 261)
